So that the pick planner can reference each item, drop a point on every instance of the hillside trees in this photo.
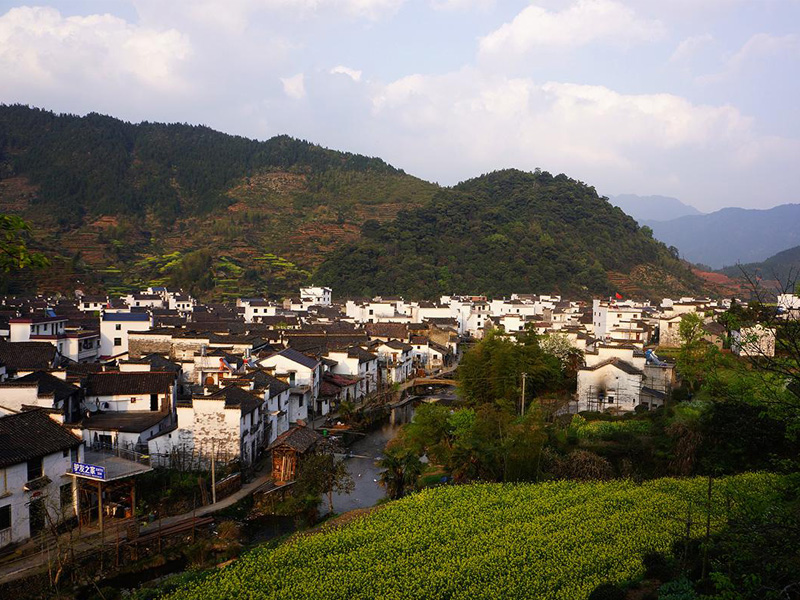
(14, 252)
(497, 234)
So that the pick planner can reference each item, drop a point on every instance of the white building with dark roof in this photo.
(115, 327)
(36, 492)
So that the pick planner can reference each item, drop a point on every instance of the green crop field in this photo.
(555, 540)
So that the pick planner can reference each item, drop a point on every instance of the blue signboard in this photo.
(93, 471)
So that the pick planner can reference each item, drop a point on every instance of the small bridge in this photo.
(433, 381)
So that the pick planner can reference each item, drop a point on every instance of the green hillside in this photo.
(557, 540)
(118, 205)
(783, 267)
(505, 232)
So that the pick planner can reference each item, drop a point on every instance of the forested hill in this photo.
(97, 165)
(120, 205)
(508, 231)
(783, 267)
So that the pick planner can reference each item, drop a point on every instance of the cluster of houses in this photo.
(96, 390)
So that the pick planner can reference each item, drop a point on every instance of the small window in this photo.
(118, 341)
(65, 494)
(35, 469)
(65, 454)
(73, 455)
(5, 517)
(118, 327)
(301, 401)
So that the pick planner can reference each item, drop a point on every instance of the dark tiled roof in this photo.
(49, 384)
(300, 439)
(129, 422)
(298, 357)
(137, 382)
(390, 330)
(361, 354)
(121, 316)
(617, 362)
(655, 393)
(23, 356)
(397, 345)
(32, 434)
(263, 380)
(236, 397)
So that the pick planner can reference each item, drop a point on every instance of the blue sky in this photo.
(695, 99)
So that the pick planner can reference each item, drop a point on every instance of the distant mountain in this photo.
(652, 208)
(503, 232)
(782, 267)
(731, 235)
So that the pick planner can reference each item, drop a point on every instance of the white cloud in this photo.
(584, 22)
(294, 86)
(40, 49)
(690, 46)
(757, 48)
(468, 122)
(351, 73)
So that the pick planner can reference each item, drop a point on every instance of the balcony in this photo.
(117, 462)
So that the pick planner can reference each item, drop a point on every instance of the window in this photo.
(118, 341)
(73, 455)
(65, 495)
(5, 517)
(35, 469)
(118, 327)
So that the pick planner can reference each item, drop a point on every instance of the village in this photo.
(97, 391)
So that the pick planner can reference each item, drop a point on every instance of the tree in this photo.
(401, 471)
(690, 357)
(14, 252)
(320, 474)
(326, 474)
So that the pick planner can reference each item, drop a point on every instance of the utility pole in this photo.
(213, 476)
(524, 375)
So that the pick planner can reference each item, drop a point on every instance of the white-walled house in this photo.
(669, 334)
(396, 358)
(316, 296)
(145, 300)
(36, 453)
(256, 309)
(612, 384)
(127, 409)
(303, 374)
(231, 423)
(40, 389)
(356, 362)
(82, 346)
(755, 340)
(92, 303)
(115, 327)
(39, 328)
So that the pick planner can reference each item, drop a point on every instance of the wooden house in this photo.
(288, 451)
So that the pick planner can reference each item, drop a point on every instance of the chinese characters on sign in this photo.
(89, 470)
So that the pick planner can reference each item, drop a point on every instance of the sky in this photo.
(695, 99)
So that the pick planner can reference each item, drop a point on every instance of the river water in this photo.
(364, 470)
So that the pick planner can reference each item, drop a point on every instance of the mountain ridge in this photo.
(731, 235)
(121, 206)
(652, 208)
